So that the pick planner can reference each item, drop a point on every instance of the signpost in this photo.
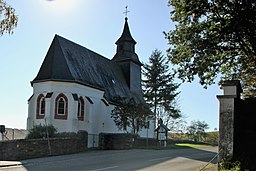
(162, 131)
(2, 131)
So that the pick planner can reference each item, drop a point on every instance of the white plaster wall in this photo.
(97, 117)
(71, 124)
(148, 133)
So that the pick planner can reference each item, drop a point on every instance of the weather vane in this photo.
(126, 11)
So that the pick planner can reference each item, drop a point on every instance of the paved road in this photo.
(137, 159)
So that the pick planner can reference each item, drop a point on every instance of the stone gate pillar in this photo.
(231, 92)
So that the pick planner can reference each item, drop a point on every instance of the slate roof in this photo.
(126, 35)
(67, 61)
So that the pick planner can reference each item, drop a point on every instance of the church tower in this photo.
(128, 60)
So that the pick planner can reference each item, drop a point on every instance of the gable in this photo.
(69, 62)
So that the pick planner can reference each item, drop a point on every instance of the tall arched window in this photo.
(61, 107)
(80, 110)
(40, 107)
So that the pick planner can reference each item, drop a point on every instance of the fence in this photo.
(93, 140)
(13, 134)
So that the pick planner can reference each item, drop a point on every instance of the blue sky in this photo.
(95, 24)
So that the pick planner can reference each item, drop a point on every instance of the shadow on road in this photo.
(135, 159)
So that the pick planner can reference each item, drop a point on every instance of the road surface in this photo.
(135, 159)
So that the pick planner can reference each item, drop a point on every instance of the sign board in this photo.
(161, 136)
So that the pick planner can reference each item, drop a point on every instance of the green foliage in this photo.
(40, 131)
(196, 130)
(159, 88)
(213, 37)
(131, 114)
(228, 165)
(8, 19)
(210, 137)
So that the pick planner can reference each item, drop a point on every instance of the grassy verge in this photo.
(177, 146)
(187, 145)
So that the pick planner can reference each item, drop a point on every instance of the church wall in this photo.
(148, 133)
(31, 112)
(72, 124)
(97, 117)
(135, 77)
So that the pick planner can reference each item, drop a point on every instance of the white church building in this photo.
(75, 88)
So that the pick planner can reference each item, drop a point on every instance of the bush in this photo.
(39, 131)
(229, 165)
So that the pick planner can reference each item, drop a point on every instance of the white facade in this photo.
(97, 116)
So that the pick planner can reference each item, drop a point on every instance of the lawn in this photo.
(188, 145)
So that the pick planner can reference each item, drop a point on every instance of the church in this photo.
(75, 88)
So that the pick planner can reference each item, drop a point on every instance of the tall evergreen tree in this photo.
(160, 90)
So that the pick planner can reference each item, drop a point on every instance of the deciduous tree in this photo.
(8, 19)
(197, 130)
(214, 37)
(130, 113)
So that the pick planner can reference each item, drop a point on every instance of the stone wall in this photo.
(123, 141)
(143, 142)
(237, 130)
(33, 148)
(108, 141)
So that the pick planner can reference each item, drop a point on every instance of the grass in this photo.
(176, 146)
(188, 145)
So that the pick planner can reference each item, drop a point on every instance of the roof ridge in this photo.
(58, 37)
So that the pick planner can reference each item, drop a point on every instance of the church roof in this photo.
(126, 35)
(67, 61)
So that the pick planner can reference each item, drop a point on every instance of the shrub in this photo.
(39, 131)
(230, 165)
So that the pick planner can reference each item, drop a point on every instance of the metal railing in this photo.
(211, 160)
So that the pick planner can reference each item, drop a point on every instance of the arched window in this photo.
(80, 110)
(61, 107)
(40, 107)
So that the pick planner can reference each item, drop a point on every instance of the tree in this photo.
(197, 130)
(213, 37)
(159, 88)
(8, 19)
(40, 131)
(131, 114)
(178, 125)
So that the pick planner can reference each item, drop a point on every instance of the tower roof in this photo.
(125, 47)
(126, 35)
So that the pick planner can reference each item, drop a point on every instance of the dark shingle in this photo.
(69, 62)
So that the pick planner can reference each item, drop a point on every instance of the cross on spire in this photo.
(126, 11)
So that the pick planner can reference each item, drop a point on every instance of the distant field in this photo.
(191, 145)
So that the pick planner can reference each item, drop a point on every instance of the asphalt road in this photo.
(136, 159)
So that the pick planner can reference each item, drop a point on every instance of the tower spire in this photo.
(127, 59)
